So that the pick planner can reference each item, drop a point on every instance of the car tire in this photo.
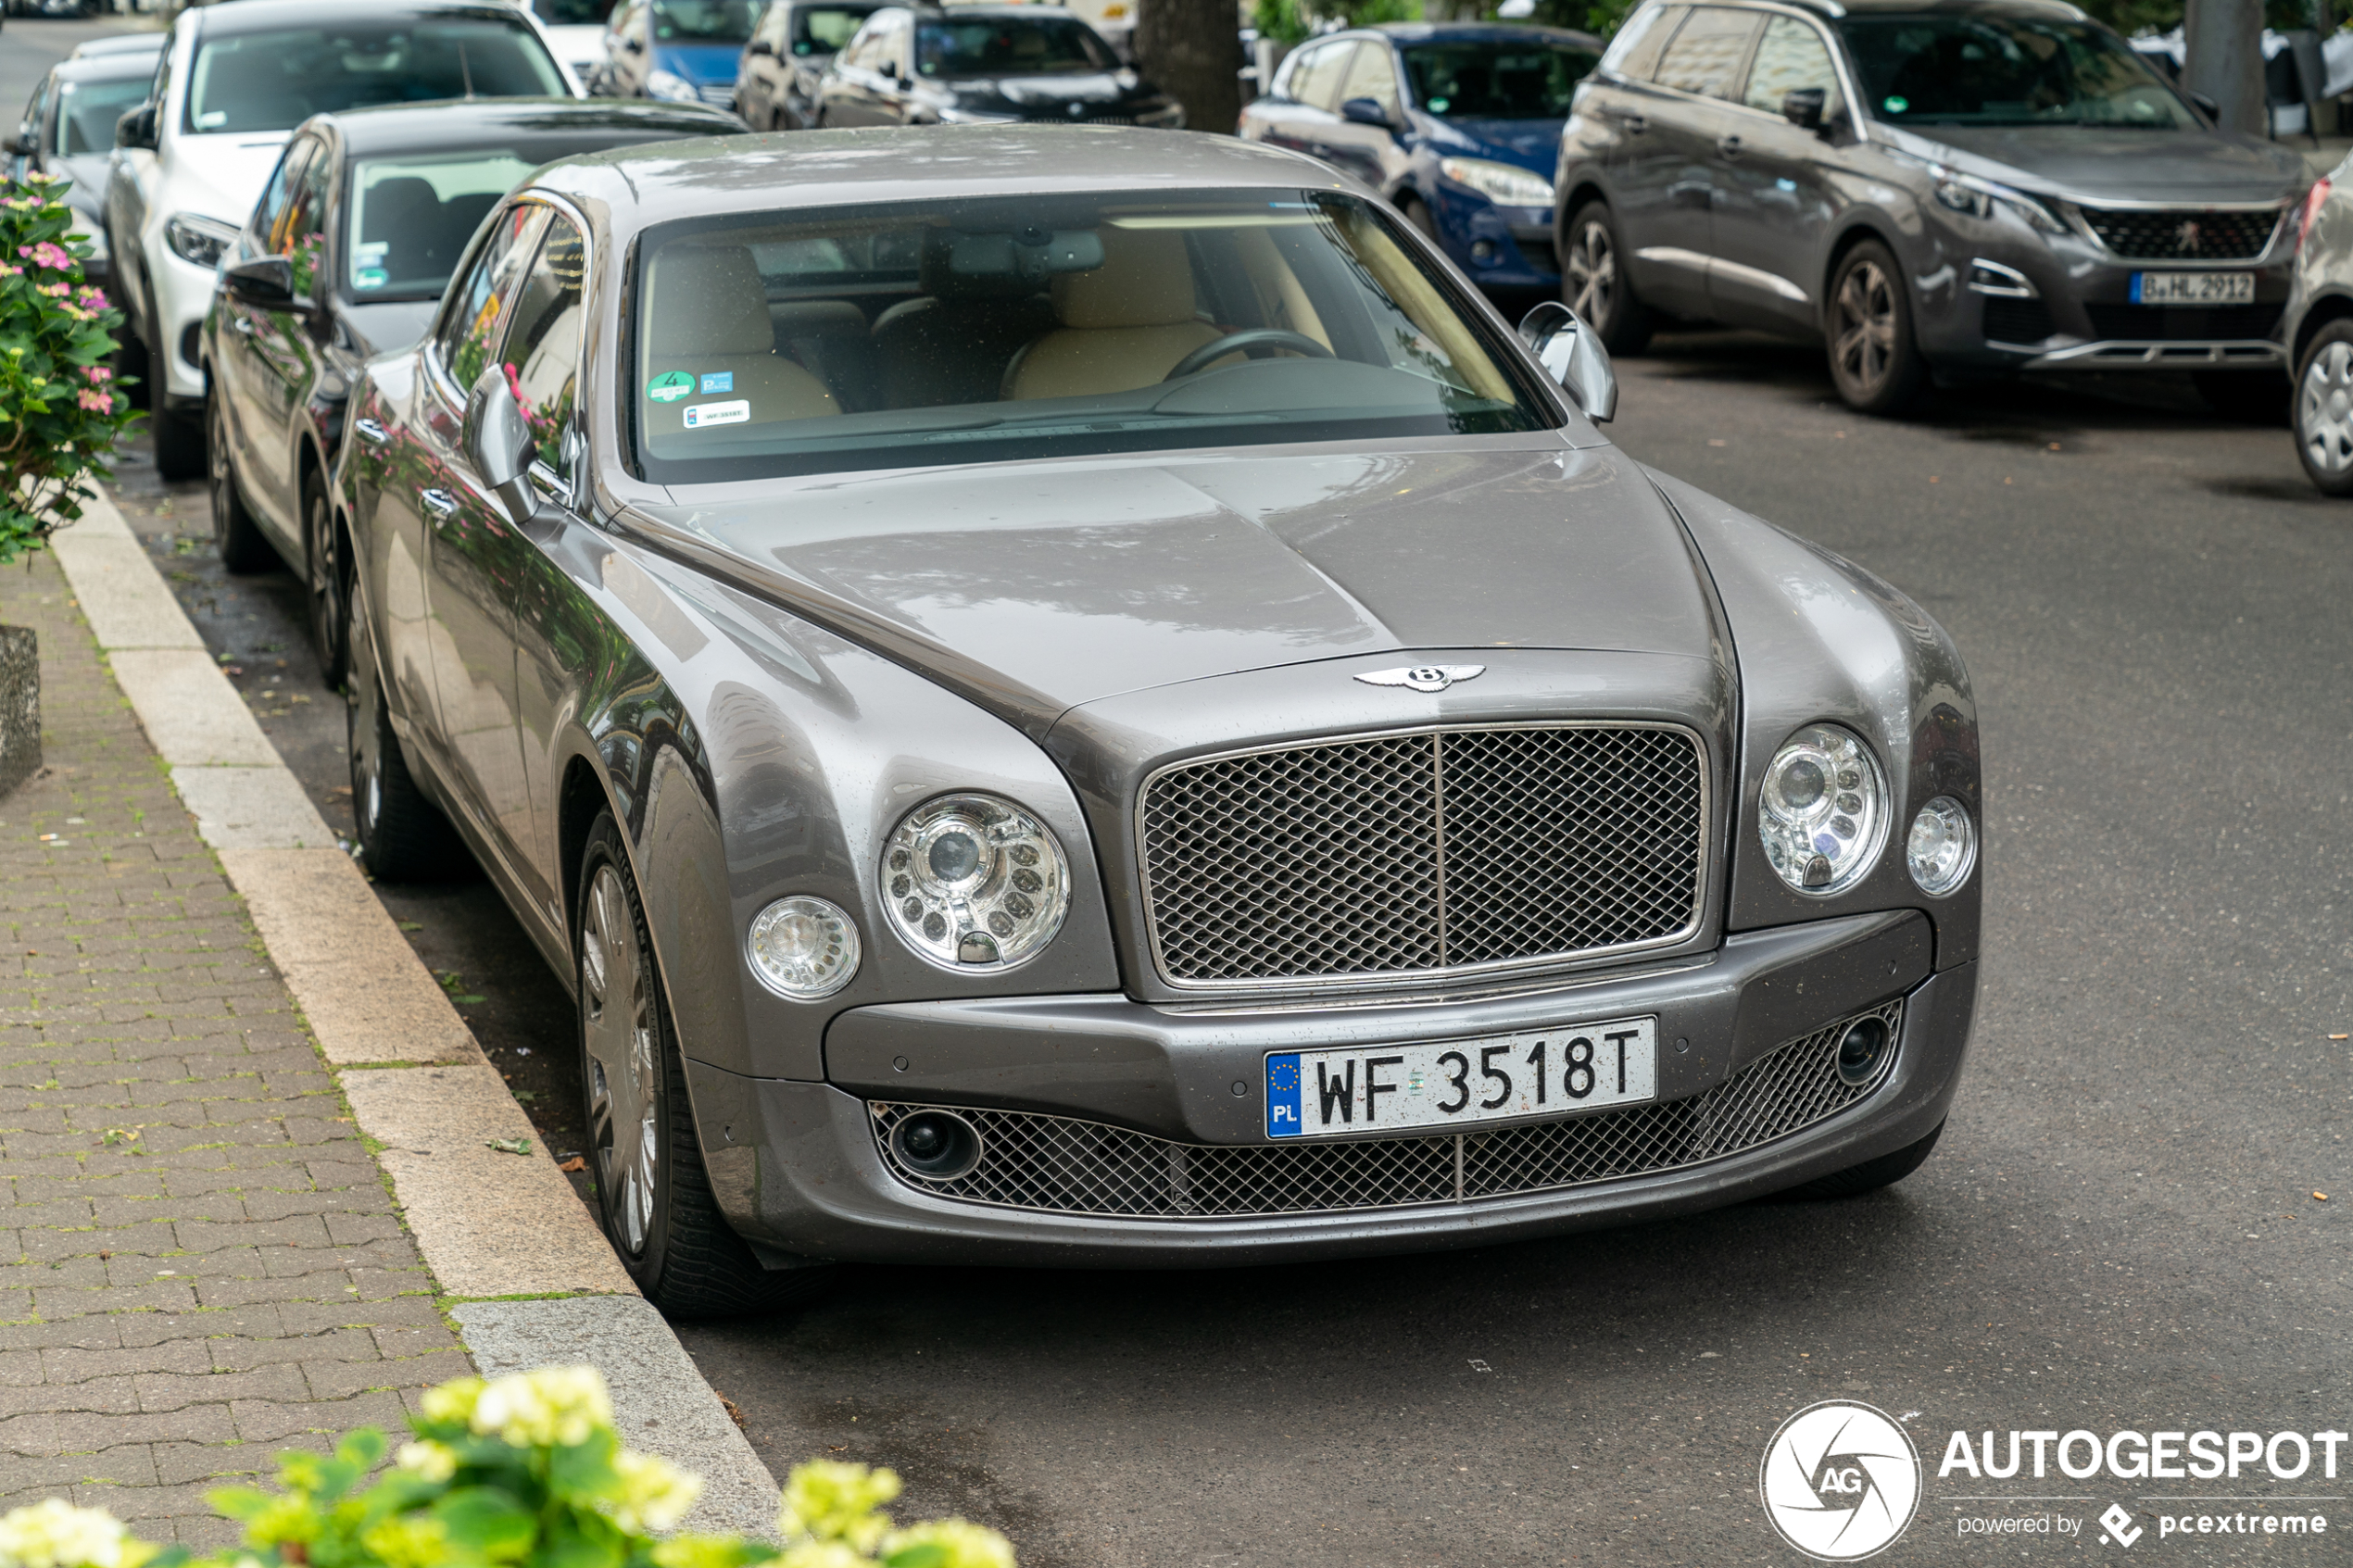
(652, 1191)
(2323, 410)
(330, 581)
(1873, 1175)
(403, 836)
(243, 548)
(1595, 284)
(2253, 398)
(1875, 360)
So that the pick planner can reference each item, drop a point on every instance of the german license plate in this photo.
(2193, 288)
(1455, 1083)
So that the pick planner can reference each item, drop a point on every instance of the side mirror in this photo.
(760, 46)
(136, 128)
(2213, 110)
(497, 443)
(1804, 107)
(24, 143)
(634, 45)
(1572, 356)
(265, 283)
(1367, 111)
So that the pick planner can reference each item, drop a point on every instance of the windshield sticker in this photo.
(702, 414)
(1440, 105)
(1895, 105)
(371, 278)
(718, 380)
(370, 252)
(669, 386)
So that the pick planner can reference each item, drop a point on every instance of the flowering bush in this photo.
(61, 412)
(524, 1472)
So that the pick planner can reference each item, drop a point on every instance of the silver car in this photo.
(1965, 187)
(1128, 723)
(2317, 333)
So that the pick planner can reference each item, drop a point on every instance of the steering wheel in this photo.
(1256, 342)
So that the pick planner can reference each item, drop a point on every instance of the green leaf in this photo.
(917, 1554)
(237, 1502)
(584, 1470)
(488, 1521)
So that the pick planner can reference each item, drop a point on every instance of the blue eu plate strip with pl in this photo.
(1282, 1098)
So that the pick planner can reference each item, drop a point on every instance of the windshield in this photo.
(572, 13)
(1049, 326)
(1496, 81)
(1010, 46)
(87, 110)
(275, 81)
(1957, 67)
(704, 21)
(408, 219)
(823, 30)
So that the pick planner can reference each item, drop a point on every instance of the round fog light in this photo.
(1862, 1049)
(1484, 251)
(1941, 848)
(938, 1146)
(803, 947)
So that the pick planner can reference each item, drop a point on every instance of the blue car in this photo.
(687, 51)
(1459, 124)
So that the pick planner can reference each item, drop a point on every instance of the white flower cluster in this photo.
(655, 1494)
(56, 1534)
(555, 1406)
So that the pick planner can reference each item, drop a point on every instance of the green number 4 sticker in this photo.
(669, 386)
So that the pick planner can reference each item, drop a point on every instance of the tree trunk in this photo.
(2224, 43)
(1192, 50)
(19, 706)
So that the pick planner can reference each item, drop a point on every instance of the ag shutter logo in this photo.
(1839, 1481)
(2119, 1525)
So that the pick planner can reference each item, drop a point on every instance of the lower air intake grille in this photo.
(2017, 321)
(2180, 323)
(1059, 1164)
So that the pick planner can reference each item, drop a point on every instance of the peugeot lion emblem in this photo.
(2187, 237)
(1424, 677)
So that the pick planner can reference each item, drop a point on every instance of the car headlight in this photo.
(975, 882)
(803, 947)
(671, 87)
(1941, 848)
(201, 242)
(1500, 182)
(1822, 811)
(1168, 117)
(1983, 199)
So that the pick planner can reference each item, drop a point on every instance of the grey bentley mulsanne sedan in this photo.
(1070, 695)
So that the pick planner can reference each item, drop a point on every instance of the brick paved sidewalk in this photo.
(199, 1263)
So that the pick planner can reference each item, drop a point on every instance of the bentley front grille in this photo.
(1423, 852)
(1062, 1165)
(2183, 233)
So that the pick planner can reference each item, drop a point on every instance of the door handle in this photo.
(1635, 124)
(370, 431)
(439, 502)
(243, 324)
(1729, 145)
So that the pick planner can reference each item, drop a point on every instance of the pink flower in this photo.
(55, 290)
(11, 271)
(52, 256)
(99, 375)
(97, 402)
(94, 299)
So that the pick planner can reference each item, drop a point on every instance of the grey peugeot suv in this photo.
(1956, 186)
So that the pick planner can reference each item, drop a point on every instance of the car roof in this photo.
(2048, 10)
(463, 122)
(645, 185)
(268, 15)
(1439, 33)
(998, 13)
(130, 46)
(105, 67)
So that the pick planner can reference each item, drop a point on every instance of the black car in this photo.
(345, 257)
(986, 64)
(68, 130)
(776, 84)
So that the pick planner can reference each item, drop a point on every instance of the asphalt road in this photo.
(2120, 1231)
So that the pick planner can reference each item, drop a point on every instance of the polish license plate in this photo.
(2193, 288)
(1455, 1083)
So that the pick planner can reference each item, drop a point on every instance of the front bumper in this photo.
(798, 1167)
(182, 297)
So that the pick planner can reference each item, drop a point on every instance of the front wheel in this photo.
(1874, 358)
(402, 837)
(1595, 284)
(652, 1191)
(2324, 409)
(330, 581)
(243, 549)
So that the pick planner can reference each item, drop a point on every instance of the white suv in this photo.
(230, 85)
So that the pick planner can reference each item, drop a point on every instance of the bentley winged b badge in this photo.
(1424, 677)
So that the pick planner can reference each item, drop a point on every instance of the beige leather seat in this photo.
(709, 317)
(1124, 325)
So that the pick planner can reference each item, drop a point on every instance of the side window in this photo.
(1706, 53)
(891, 51)
(1374, 76)
(477, 307)
(35, 110)
(1317, 83)
(270, 214)
(542, 352)
(304, 236)
(1633, 54)
(1790, 55)
(860, 49)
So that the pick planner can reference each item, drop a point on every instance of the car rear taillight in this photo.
(2312, 200)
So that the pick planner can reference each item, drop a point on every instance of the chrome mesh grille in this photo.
(1062, 1165)
(1432, 850)
(2185, 234)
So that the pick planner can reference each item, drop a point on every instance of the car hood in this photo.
(1033, 589)
(2167, 166)
(222, 176)
(705, 65)
(1533, 144)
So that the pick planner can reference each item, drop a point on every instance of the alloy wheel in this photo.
(328, 616)
(220, 476)
(617, 1021)
(1592, 274)
(363, 742)
(1864, 343)
(2324, 409)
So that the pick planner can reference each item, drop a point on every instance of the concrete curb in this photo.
(489, 1224)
